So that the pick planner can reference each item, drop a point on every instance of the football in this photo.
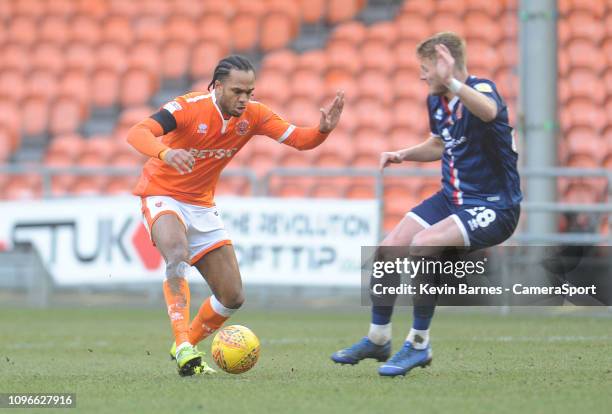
(235, 349)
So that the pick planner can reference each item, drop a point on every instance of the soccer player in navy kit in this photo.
(479, 204)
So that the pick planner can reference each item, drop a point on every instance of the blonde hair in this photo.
(454, 43)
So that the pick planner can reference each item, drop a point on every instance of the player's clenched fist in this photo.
(180, 160)
(387, 158)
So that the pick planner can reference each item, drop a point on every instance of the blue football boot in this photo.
(405, 359)
(362, 350)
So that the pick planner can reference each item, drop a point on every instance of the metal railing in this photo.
(262, 187)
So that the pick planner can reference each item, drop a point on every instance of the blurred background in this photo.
(76, 74)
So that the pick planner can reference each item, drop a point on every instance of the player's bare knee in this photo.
(423, 245)
(176, 269)
(233, 300)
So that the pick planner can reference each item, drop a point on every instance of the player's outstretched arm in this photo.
(303, 138)
(143, 137)
(477, 103)
(430, 150)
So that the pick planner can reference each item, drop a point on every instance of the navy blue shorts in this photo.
(481, 226)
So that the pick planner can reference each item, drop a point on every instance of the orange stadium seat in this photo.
(356, 190)
(48, 57)
(131, 116)
(584, 141)
(30, 8)
(583, 25)
(303, 112)
(35, 117)
(42, 83)
(111, 55)
(409, 115)
(352, 32)
(117, 29)
(75, 84)
(10, 116)
(100, 147)
(88, 186)
(22, 31)
(341, 10)
(373, 114)
(295, 159)
(584, 83)
(481, 27)
(12, 84)
(582, 112)
(174, 60)
(492, 8)
(399, 199)
(377, 56)
(447, 22)
(21, 187)
(454, 7)
(291, 187)
(411, 30)
(69, 145)
(61, 8)
(120, 185)
(204, 59)
(406, 58)
(277, 30)
(509, 24)
(124, 9)
(307, 85)
(216, 31)
(507, 82)
(329, 187)
(15, 57)
(145, 55)
(312, 11)
(508, 54)
(283, 61)
(376, 85)
(79, 56)
(366, 160)
(232, 186)
(85, 29)
(385, 32)
(272, 88)
(149, 29)
(244, 26)
(60, 183)
(157, 8)
(97, 9)
(183, 29)
(104, 87)
(225, 7)
(580, 193)
(66, 116)
(585, 54)
(54, 29)
(313, 60)
(421, 9)
(594, 7)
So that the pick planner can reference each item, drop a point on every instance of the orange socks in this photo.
(210, 317)
(178, 309)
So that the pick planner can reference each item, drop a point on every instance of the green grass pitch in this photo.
(116, 360)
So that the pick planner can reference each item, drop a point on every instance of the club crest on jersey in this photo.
(438, 114)
(242, 127)
(202, 128)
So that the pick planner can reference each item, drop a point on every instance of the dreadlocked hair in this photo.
(228, 63)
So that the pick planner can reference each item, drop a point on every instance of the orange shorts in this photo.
(203, 225)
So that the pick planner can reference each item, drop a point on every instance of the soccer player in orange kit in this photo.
(190, 140)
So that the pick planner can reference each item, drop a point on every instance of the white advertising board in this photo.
(277, 241)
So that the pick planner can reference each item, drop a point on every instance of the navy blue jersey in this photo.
(479, 161)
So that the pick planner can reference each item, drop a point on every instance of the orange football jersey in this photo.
(213, 142)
